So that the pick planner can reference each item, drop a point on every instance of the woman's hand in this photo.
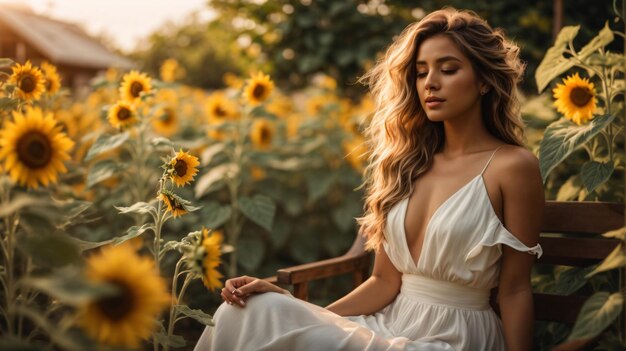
(237, 290)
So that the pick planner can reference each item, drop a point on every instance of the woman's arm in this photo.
(379, 290)
(523, 202)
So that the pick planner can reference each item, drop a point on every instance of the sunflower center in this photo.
(48, 84)
(34, 149)
(219, 111)
(580, 96)
(116, 308)
(258, 91)
(180, 168)
(166, 117)
(123, 114)
(136, 88)
(265, 135)
(27, 84)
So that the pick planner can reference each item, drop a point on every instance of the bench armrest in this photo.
(356, 263)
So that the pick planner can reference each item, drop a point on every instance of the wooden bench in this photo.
(570, 237)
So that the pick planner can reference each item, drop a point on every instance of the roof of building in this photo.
(62, 43)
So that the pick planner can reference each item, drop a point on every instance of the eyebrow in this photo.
(439, 60)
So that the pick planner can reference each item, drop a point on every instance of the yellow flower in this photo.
(210, 255)
(170, 70)
(28, 80)
(281, 106)
(258, 88)
(33, 148)
(175, 204)
(128, 317)
(356, 152)
(166, 121)
(122, 115)
(53, 80)
(133, 84)
(183, 168)
(219, 108)
(232, 80)
(293, 125)
(216, 134)
(262, 133)
(575, 99)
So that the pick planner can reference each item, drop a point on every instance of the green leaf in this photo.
(615, 259)
(563, 137)
(50, 250)
(198, 315)
(69, 287)
(8, 103)
(344, 215)
(318, 183)
(6, 62)
(19, 202)
(215, 215)
(214, 179)
(601, 40)
(598, 312)
(132, 232)
(140, 208)
(596, 173)
(88, 245)
(210, 152)
(162, 142)
(174, 341)
(554, 63)
(106, 143)
(101, 171)
(250, 252)
(260, 209)
(280, 232)
(305, 246)
(570, 279)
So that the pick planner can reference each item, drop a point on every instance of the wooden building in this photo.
(25, 35)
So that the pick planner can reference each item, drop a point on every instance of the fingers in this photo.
(230, 292)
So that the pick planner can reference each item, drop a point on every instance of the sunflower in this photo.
(128, 317)
(175, 204)
(170, 70)
(209, 255)
(280, 106)
(183, 168)
(53, 81)
(29, 81)
(33, 148)
(257, 173)
(575, 99)
(133, 84)
(122, 115)
(166, 121)
(219, 108)
(258, 88)
(232, 80)
(262, 133)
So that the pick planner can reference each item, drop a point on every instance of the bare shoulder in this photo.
(515, 161)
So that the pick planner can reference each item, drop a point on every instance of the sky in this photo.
(126, 22)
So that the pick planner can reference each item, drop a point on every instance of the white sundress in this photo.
(443, 303)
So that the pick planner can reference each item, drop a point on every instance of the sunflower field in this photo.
(124, 210)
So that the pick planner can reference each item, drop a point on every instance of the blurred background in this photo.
(279, 174)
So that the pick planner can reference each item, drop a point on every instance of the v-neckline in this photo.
(430, 220)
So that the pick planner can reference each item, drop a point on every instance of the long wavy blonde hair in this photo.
(402, 139)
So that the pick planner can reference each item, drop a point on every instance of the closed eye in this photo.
(448, 71)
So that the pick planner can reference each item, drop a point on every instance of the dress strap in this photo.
(488, 161)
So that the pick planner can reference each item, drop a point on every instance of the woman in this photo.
(447, 172)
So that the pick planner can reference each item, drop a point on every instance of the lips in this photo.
(434, 99)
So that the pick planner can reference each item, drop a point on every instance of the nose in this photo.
(430, 81)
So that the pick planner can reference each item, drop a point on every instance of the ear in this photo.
(483, 88)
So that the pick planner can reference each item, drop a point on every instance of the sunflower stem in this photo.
(10, 227)
(173, 302)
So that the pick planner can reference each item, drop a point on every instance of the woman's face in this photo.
(446, 83)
